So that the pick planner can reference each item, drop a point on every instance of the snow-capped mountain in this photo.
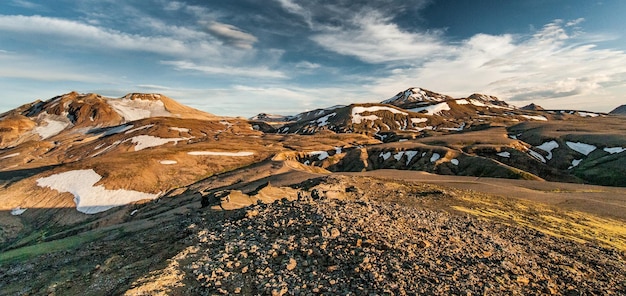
(415, 96)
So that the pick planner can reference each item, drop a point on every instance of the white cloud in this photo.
(153, 87)
(374, 39)
(68, 32)
(232, 35)
(258, 72)
(25, 4)
(23, 66)
(296, 9)
(308, 65)
(554, 66)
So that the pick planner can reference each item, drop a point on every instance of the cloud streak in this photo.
(232, 35)
(256, 72)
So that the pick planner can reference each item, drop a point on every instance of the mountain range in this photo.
(86, 170)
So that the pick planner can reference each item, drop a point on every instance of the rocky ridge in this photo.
(317, 244)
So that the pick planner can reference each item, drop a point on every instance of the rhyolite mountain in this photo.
(621, 110)
(125, 195)
(477, 136)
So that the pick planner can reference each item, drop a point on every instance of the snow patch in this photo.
(168, 162)
(432, 109)
(575, 163)
(477, 103)
(504, 154)
(435, 157)
(180, 129)
(614, 150)
(17, 211)
(418, 120)
(581, 148)
(218, 153)
(398, 155)
(139, 128)
(145, 141)
(51, 128)
(548, 147)
(588, 114)
(462, 102)
(385, 155)
(537, 156)
(132, 110)
(456, 129)
(323, 121)
(358, 118)
(10, 155)
(535, 117)
(454, 161)
(91, 199)
(321, 155)
(410, 155)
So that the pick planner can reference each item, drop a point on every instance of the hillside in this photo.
(417, 194)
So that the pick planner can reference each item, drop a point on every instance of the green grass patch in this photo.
(68, 243)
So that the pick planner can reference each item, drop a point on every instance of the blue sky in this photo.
(242, 57)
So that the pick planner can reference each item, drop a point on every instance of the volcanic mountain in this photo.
(186, 202)
(621, 110)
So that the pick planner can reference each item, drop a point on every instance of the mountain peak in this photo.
(621, 110)
(532, 107)
(415, 96)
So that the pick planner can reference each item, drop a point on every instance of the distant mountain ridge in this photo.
(621, 110)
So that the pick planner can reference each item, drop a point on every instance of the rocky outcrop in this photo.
(333, 246)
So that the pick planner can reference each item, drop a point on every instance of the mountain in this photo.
(621, 110)
(143, 195)
(479, 135)
(533, 107)
(415, 96)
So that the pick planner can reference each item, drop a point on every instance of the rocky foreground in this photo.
(339, 247)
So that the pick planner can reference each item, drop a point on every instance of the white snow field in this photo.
(358, 118)
(91, 199)
(537, 117)
(504, 154)
(432, 109)
(323, 121)
(218, 153)
(145, 141)
(321, 155)
(51, 128)
(132, 110)
(410, 155)
(454, 161)
(385, 155)
(418, 120)
(548, 147)
(17, 211)
(168, 162)
(614, 150)
(435, 157)
(581, 148)
(180, 129)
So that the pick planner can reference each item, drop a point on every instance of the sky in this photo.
(243, 57)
